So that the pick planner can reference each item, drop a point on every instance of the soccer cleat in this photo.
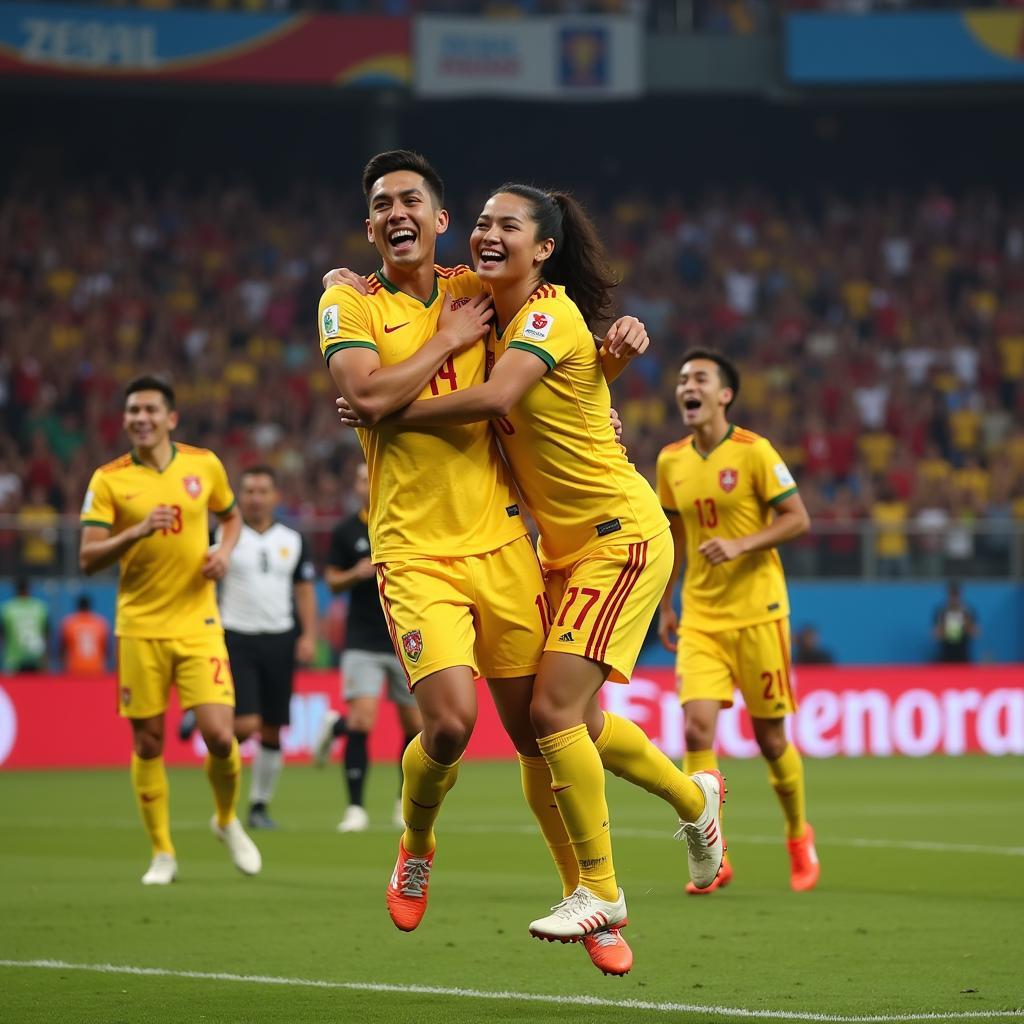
(324, 738)
(259, 817)
(407, 890)
(803, 862)
(355, 819)
(580, 913)
(163, 869)
(609, 952)
(187, 725)
(723, 879)
(244, 854)
(398, 818)
(705, 847)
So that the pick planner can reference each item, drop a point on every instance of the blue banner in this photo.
(920, 48)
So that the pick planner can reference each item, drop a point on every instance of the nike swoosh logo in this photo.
(559, 789)
(147, 798)
(390, 330)
(426, 807)
(128, 497)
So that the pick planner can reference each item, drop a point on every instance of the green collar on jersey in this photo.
(395, 290)
(728, 434)
(139, 462)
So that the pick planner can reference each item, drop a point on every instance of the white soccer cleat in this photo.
(355, 819)
(324, 738)
(163, 869)
(705, 847)
(398, 818)
(244, 853)
(580, 913)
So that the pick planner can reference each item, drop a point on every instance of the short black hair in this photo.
(260, 469)
(149, 382)
(403, 160)
(21, 585)
(727, 371)
(84, 602)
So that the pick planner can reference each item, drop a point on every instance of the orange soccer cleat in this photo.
(407, 890)
(804, 868)
(723, 879)
(609, 952)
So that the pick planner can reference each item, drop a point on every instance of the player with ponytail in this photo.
(605, 547)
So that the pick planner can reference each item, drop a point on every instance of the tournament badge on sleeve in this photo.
(412, 644)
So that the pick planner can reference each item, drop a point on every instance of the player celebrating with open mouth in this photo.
(605, 544)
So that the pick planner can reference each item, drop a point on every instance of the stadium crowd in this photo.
(881, 342)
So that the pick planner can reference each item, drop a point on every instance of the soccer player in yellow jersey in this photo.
(149, 511)
(604, 544)
(731, 501)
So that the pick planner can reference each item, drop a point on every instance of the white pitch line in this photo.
(625, 832)
(522, 997)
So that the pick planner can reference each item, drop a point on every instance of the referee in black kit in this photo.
(268, 586)
(368, 662)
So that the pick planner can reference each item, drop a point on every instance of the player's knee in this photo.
(148, 745)
(549, 716)
(447, 736)
(219, 741)
(773, 744)
(699, 736)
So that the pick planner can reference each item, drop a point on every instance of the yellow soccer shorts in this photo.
(484, 611)
(755, 659)
(601, 607)
(197, 665)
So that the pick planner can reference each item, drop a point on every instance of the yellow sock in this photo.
(577, 780)
(149, 780)
(700, 761)
(536, 778)
(425, 783)
(225, 774)
(627, 751)
(786, 775)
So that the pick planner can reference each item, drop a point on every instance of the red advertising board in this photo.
(59, 722)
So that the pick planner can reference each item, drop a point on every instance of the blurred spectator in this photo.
(889, 516)
(955, 626)
(24, 625)
(807, 649)
(84, 640)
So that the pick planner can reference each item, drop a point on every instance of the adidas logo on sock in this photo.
(566, 638)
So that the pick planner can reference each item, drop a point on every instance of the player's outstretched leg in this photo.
(627, 751)
(700, 761)
(803, 861)
(705, 846)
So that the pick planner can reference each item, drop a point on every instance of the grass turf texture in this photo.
(889, 930)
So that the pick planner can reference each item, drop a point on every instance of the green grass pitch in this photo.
(920, 908)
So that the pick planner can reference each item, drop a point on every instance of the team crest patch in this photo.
(329, 320)
(412, 644)
(538, 326)
(193, 486)
(728, 479)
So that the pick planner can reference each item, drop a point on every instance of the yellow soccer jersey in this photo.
(435, 492)
(162, 593)
(574, 476)
(729, 493)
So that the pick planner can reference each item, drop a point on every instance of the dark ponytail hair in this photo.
(579, 262)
